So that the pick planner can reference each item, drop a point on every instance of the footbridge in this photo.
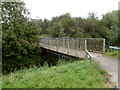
(77, 47)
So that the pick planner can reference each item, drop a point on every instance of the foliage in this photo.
(90, 27)
(20, 36)
(77, 74)
(114, 53)
(110, 21)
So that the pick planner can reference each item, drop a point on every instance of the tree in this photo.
(91, 26)
(56, 30)
(20, 37)
(110, 21)
(45, 25)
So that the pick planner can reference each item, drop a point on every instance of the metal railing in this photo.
(86, 44)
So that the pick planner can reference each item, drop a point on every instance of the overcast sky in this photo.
(77, 8)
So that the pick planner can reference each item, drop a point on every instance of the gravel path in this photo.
(110, 65)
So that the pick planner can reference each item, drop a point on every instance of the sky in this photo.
(46, 9)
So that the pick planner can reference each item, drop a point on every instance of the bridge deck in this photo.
(71, 52)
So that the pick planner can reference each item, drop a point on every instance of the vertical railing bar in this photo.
(103, 45)
(99, 46)
(57, 43)
(87, 53)
(68, 46)
(85, 44)
(76, 47)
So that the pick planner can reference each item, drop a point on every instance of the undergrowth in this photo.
(114, 53)
(72, 74)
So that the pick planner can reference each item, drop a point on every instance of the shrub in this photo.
(20, 36)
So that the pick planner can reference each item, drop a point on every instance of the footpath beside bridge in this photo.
(84, 48)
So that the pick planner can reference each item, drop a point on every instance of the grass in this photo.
(114, 53)
(76, 74)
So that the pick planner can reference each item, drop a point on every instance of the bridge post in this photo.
(63, 42)
(57, 43)
(103, 45)
(68, 46)
(85, 47)
(49, 43)
(76, 46)
(72, 43)
(43, 42)
(85, 44)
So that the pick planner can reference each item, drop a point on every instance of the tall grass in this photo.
(77, 74)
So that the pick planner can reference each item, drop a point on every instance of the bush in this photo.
(20, 37)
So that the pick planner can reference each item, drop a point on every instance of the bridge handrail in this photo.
(114, 47)
(89, 56)
(93, 44)
(86, 44)
(87, 52)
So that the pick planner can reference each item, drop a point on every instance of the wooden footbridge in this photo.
(77, 47)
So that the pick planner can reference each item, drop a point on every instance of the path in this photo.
(110, 65)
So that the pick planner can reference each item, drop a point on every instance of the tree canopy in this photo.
(19, 35)
(90, 27)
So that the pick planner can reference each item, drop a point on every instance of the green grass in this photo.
(113, 53)
(76, 74)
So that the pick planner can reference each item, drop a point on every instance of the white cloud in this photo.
(49, 8)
